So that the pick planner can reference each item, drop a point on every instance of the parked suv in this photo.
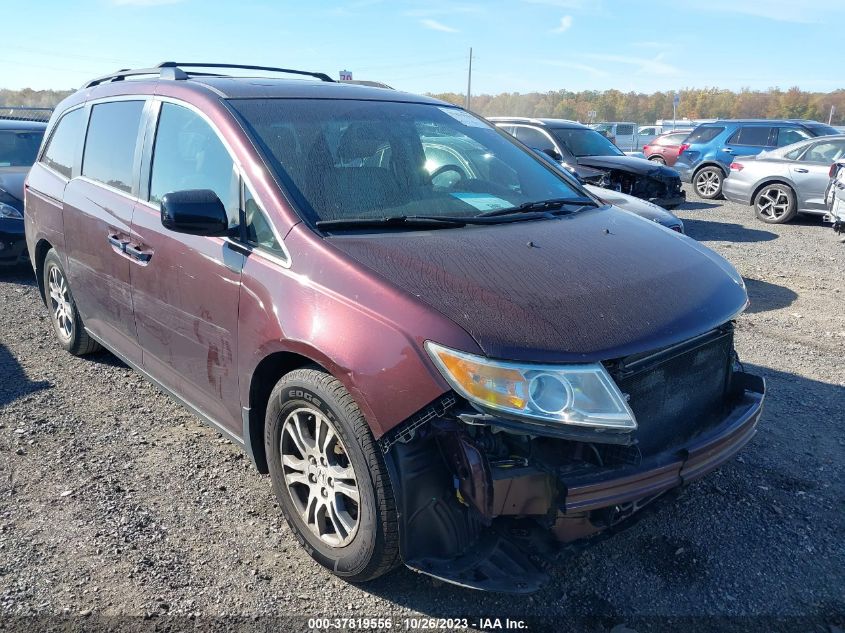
(19, 142)
(593, 158)
(458, 372)
(707, 153)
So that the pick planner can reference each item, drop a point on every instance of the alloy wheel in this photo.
(319, 476)
(60, 305)
(773, 203)
(707, 183)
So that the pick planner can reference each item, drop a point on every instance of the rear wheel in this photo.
(775, 204)
(657, 159)
(708, 182)
(67, 324)
(330, 477)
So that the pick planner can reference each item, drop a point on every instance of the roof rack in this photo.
(173, 71)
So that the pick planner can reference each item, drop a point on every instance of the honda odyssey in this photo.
(460, 370)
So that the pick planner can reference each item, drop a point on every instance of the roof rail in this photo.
(173, 71)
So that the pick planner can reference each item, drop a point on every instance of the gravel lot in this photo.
(115, 501)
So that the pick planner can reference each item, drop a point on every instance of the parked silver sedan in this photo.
(786, 181)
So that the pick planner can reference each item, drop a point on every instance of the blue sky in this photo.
(422, 46)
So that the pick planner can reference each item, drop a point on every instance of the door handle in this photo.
(728, 150)
(137, 254)
(118, 243)
(801, 170)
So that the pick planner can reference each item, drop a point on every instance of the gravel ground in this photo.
(115, 502)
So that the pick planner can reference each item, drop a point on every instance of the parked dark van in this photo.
(458, 371)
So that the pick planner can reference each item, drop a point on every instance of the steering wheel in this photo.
(462, 175)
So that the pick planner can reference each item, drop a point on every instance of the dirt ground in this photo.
(120, 509)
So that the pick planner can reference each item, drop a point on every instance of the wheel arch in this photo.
(774, 180)
(710, 163)
(265, 376)
(42, 247)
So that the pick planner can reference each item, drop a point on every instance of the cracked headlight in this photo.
(581, 395)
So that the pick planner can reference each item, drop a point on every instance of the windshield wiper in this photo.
(433, 221)
(541, 205)
(410, 221)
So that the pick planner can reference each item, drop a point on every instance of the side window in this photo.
(258, 229)
(624, 129)
(188, 154)
(61, 149)
(790, 135)
(756, 135)
(110, 144)
(534, 138)
(825, 152)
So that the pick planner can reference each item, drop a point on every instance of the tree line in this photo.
(705, 103)
(609, 105)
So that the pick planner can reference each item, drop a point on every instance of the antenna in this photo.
(469, 79)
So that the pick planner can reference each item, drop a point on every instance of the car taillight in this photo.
(832, 171)
(737, 166)
(645, 148)
(683, 147)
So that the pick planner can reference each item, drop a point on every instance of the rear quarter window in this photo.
(64, 142)
(704, 134)
(110, 143)
(753, 135)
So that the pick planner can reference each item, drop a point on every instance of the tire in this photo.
(657, 159)
(707, 182)
(67, 324)
(358, 542)
(775, 204)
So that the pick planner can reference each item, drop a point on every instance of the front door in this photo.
(186, 293)
(98, 208)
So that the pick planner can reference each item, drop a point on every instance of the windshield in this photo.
(584, 142)
(348, 159)
(18, 148)
(820, 129)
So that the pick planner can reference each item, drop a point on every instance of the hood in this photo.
(11, 180)
(591, 286)
(639, 166)
(632, 204)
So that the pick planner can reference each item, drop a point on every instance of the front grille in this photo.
(677, 392)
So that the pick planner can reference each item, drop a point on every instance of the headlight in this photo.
(7, 211)
(582, 395)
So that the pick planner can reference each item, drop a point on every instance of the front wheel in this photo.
(67, 324)
(708, 182)
(775, 204)
(330, 477)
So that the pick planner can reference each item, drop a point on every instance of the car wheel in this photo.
(330, 477)
(67, 324)
(708, 182)
(775, 204)
(657, 159)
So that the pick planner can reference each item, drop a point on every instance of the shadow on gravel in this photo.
(105, 357)
(14, 383)
(698, 205)
(20, 274)
(765, 296)
(707, 230)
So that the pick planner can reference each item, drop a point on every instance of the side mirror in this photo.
(195, 212)
(552, 153)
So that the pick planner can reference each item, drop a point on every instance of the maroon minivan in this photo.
(442, 351)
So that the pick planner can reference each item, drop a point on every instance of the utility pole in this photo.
(830, 117)
(469, 79)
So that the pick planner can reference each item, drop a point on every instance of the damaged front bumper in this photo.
(670, 202)
(474, 515)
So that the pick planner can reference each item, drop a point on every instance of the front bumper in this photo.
(12, 242)
(736, 190)
(489, 526)
(673, 468)
(670, 202)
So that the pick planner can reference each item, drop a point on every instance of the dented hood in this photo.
(632, 164)
(594, 285)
